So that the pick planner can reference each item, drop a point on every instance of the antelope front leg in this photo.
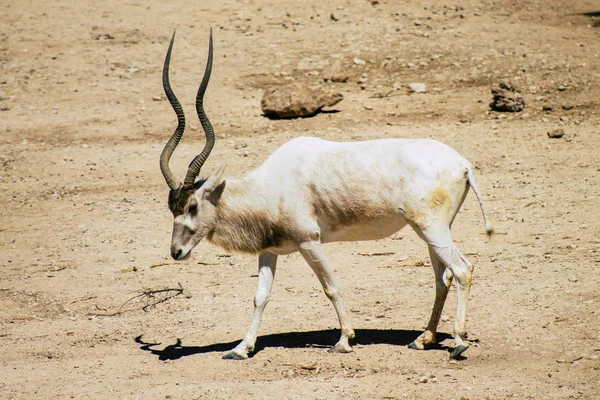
(314, 256)
(266, 273)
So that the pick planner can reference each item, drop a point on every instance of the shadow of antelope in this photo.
(293, 340)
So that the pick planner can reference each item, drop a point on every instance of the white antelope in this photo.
(312, 191)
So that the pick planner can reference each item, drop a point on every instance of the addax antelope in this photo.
(312, 191)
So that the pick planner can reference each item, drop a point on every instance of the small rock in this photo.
(358, 61)
(423, 379)
(335, 73)
(507, 98)
(547, 108)
(333, 17)
(296, 100)
(417, 87)
(289, 373)
(556, 134)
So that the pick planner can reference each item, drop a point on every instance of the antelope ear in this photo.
(215, 180)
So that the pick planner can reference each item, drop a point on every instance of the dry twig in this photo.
(385, 253)
(152, 298)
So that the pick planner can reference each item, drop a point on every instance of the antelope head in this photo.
(193, 203)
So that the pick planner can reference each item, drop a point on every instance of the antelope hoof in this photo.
(234, 355)
(458, 350)
(413, 345)
(423, 342)
(419, 345)
(341, 348)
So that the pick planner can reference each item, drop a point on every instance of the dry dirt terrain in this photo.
(85, 228)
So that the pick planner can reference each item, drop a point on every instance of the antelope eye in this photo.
(193, 209)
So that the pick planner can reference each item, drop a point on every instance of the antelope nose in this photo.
(175, 253)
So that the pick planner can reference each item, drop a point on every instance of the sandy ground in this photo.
(84, 224)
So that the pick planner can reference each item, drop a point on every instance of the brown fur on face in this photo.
(178, 198)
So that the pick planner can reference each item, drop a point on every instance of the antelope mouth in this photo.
(180, 254)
